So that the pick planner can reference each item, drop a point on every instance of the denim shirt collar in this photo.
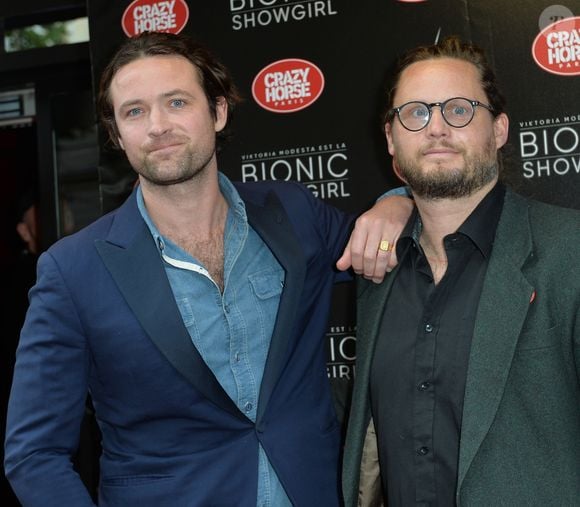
(236, 215)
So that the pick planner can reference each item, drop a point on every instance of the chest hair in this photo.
(208, 251)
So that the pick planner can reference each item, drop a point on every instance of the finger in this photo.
(372, 252)
(381, 265)
(392, 261)
(382, 261)
(357, 245)
(345, 260)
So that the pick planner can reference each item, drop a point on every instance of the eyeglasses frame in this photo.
(474, 104)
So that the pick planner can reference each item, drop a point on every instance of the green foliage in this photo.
(36, 36)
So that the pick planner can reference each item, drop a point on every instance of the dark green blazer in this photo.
(520, 437)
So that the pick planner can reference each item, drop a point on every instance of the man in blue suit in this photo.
(194, 316)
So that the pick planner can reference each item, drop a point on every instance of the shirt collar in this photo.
(479, 227)
(235, 204)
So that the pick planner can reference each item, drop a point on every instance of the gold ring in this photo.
(385, 246)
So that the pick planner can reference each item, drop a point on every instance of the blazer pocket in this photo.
(134, 480)
(537, 340)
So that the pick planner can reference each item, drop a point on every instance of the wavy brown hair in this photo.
(214, 76)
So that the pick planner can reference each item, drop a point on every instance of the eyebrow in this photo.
(129, 103)
(176, 91)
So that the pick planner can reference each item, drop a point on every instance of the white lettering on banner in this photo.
(252, 14)
(550, 147)
(563, 39)
(262, 154)
(564, 55)
(323, 168)
(150, 11)
(287, 85)
(154, 18)
(341, 352)
(289, 77)
(556, 48)
(559, 167)
(237, 5)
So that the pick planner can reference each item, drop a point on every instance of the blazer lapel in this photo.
(502, 310)
(371, 301)
(272, 224)
(130, 255)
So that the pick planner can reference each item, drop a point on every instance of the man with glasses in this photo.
(468, 354)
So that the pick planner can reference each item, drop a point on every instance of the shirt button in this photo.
(227, 308)
(237, 357)
(423, 451)
(428, 328)
(423, 386)
(248, 406)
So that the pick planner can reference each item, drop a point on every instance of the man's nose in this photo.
(437, 125)
(159, 122)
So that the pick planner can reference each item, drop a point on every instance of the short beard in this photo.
(189, 166)
(444, 183)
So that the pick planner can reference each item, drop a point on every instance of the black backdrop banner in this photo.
(312, 74)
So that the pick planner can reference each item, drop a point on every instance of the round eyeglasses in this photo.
(457, 112)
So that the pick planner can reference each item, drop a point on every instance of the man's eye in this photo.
(177, 103)
(419, 112)
(459, 111)
(136, 111)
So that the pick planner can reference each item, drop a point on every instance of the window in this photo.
(46, 35)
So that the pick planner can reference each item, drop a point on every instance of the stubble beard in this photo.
(175, 170)
(442, 182)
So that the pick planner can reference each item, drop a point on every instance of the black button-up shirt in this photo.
(419, 367)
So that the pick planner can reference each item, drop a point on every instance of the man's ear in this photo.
(501, 125)
(221, 113)
(389, 137)
(391, 145)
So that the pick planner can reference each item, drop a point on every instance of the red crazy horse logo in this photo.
(286, 86)
(556, 48)
(155, 16)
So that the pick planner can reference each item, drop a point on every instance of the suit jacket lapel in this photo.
(371, 301)
(131, 257)
(272, 224)
(502, 310)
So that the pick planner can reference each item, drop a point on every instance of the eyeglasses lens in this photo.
(458, 112)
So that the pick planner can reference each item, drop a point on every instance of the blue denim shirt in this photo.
(231, 331)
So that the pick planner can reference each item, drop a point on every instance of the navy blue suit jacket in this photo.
(103, 320)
